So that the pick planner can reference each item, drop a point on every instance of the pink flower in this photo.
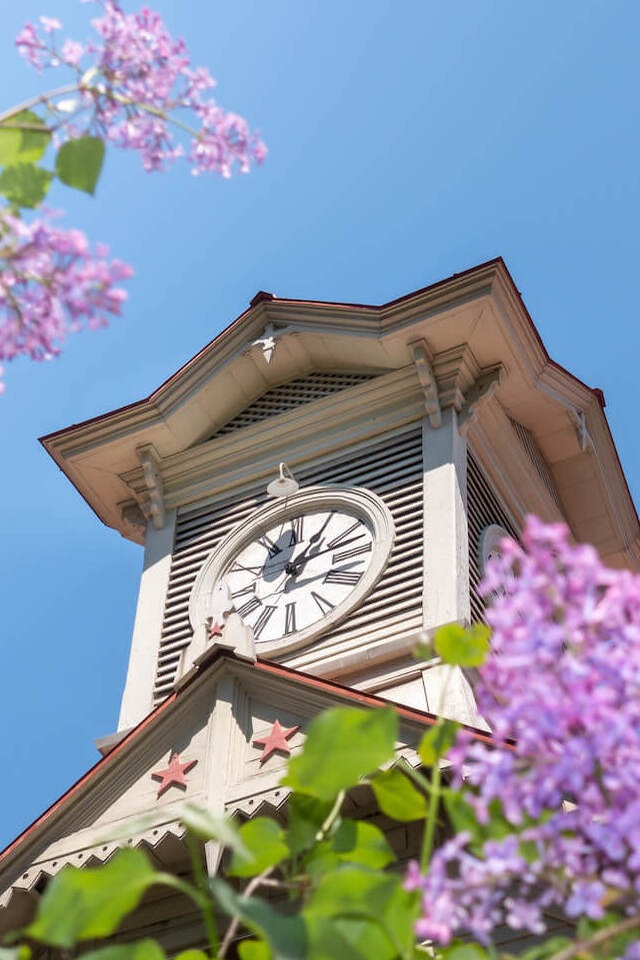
(49, 24)
(72, 52)
(51, 283)
(143, 81)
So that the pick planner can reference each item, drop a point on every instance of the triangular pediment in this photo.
(222, 734)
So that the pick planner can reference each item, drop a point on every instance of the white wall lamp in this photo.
(285, 484)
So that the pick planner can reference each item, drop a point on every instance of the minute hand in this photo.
(313, 539)
(293, 569)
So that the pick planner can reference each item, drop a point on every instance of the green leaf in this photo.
(191, 954)
(79, 162)
(80, 904)
(357, 893)
(437, 741)
(23, 146)
(547, 949)
(331, 939)
(306, 816)
(353, 842)
(207, 825)
(464, 648)
(286, 936)
(24, 184)
(342, 745)
(397, 797)
(264, 841)
(253, 950)
(353, 891)
(464, 951)
(140, 950)
(357, 842)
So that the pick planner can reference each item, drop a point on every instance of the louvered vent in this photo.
(528, 441)
(483, 509)
(290, 395)
(392, 469)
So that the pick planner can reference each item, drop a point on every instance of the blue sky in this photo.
(408, 141)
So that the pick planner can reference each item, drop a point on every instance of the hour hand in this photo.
(294, 567)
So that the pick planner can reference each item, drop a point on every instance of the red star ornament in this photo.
(276, 740)
(174, 774)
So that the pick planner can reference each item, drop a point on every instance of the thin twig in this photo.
(599, 938)
(41, 98)
(247, 892)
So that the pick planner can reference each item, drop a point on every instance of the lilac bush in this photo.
(553, 809)
(50, 282)
(133, 85)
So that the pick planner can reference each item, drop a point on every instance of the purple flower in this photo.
(563, 681)
(51, 283)
(141, 93)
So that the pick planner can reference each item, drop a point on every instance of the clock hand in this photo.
(315, 538)
(293, 569)
(293, 581)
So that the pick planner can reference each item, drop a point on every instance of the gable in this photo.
(220, 720)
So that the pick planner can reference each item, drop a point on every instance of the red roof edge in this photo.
(261, 297)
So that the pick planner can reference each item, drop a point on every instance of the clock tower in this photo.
(315, 492)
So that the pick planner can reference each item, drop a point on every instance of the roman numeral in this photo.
(339, 540)
(249, 607)
(272, 548)
(290, 618)
(240, 593)
(263, 620)
(354, 552)
(240, 568)
(324, 605)
(296, 530)
(348, 577)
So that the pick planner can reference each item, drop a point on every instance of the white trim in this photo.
(446, 562)
(137, 699)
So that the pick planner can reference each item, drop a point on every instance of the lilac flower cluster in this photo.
(51, 283)
(562, 687)
(134, 86)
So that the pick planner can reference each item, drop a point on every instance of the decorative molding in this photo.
(98, 852)
(482, 390)
(153, 506)
(421, 356)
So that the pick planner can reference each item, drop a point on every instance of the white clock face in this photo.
(299, 571)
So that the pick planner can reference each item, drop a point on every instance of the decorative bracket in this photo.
(480, 391)
(133, 520)
(421, 356)
(154, 507)
(584, 437)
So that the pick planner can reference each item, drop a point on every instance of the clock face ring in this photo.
(299, 566)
